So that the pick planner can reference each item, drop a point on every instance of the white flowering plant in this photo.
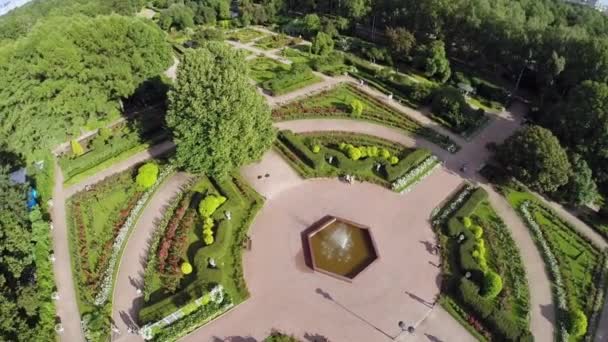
(558, 283)
(405, 183)
(217, 297)
(108, 275)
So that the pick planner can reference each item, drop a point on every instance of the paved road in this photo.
(126, 301)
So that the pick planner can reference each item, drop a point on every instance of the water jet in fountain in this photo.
(341, 248)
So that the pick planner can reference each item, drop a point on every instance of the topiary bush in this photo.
(186, 268)
(492, 285)
(469, 293)
(147, 175)
(356, 107)
(353, 153)
(77, 149)
(466, 221)
(578, 323)
(477, 231)
(210, 204)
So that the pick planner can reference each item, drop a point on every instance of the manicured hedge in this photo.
(298, 76)
(458, 258)
(296, 150)
(393, 172)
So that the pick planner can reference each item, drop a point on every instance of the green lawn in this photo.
(243, 203)
(263, 69)
(336, 103)
(245, 35)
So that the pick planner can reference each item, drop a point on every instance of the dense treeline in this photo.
(20, 20)
(26, 279)
(70, 71)
(555, 50)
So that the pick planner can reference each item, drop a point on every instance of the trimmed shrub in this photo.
(356, 107)
(354, 153)
(469, 293)
(208, 239)
(578, 323)
(477, 231)
(77, 149)
(466, 221)
(147, 175)
(316, 149)
(209, 205)
(492, 285)
(186, 268)
(393, 160)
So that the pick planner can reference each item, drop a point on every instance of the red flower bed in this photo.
(167, 241)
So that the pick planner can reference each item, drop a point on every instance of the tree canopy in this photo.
(581, 123)
(534, 156)
(218, 119)
(26, 280)
(70, 70)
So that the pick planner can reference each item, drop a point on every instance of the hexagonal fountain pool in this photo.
(341, 248)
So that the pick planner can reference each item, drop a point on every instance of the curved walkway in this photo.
(67, 305)
(126, 301)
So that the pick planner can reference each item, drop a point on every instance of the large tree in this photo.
(219, 121)
(534, 156)
(581, 188)
(401, 42)
(69, 71)
(581, 123)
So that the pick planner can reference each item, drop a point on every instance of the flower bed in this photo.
(336, 103)
(552, 265)
(188, 317)
(579, 280)
(108, 279)
(377, 160)
(406, 182)
(218, 263)
(469, 256)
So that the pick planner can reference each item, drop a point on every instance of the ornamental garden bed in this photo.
(275, 42)
(184, 264)
(246, 35)
(338, 102)
(279, 78)
(99, 221)
(484, 281)
(110, 146)
(576, 266)
(366, 157)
